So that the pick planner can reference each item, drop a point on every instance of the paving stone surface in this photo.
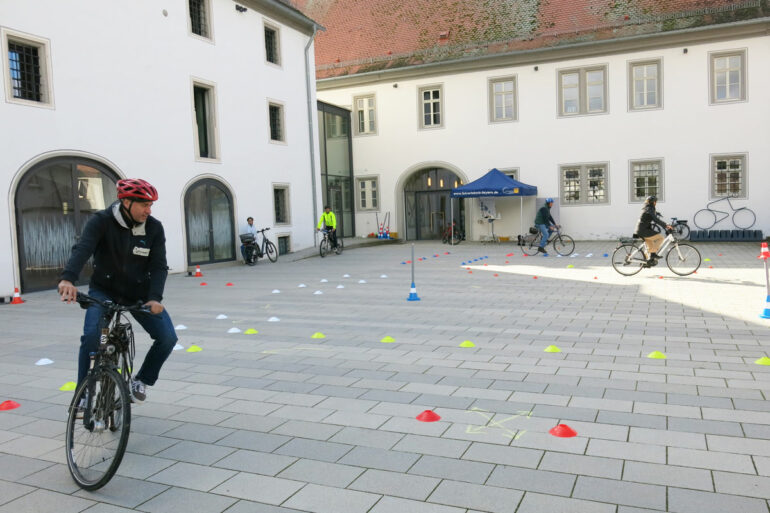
(280, 422)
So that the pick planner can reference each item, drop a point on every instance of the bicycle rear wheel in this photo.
(704, 219)
(743, 218)
(94, 450)
(683, 259)
(530, 245)
(564, 245)
(323, 248)
(271, 251)
(628, 259)
(681, 231)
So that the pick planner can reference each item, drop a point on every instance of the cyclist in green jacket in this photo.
(329, 220)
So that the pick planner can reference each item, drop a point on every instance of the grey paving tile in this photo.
(620, 492)
(741, 484)
(254, 441)
(705, 426)
(355, 419)
(366, 437)
(196, 477)
(323, 473)
(482, 497)
(194, 452)
(302, 429)
(252, 422)
(632, 419)
(124, 492)
(540, 503)
(13, 468)
(244, 506)
(396, 505)
(739, 445)
(691, 501)
(197, 433)
(44, 501)
(668, 475)
(710, 460)
(258, 488)
(555, 483)
(515, 456)
(255, 462)
(314, 449)
(432, 445)
(395, 484)
(669, 438)
(324, 499)
(583, 465)
(55, 478)
(627, 450)
(448, 468)
(178, 500)
(12, 491)
(382, 459)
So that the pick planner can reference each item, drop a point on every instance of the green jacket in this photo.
(329, 219)
(544, 216)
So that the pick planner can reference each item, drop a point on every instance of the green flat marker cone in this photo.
(318, 334)
(552, 349)
(69, 386)
(194, 349)
(656, 355)
(250, 331)
(467, 343)
(763, 361)
(388, 340)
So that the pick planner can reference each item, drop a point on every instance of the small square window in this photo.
(431, 99)
(272, 45)
(368, 193)
(728, 76)
(284, 244)
(646, 180)
(27, 71)
(199, 18)
(502, 99)
(281, 204)
(645, 85)
(728, 176)
(277, 132)
(583, 91)
(586, 184)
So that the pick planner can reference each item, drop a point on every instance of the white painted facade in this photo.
(684, 133)
(122, 83)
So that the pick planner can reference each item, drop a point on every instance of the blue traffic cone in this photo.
(413, 294)
(765, 313)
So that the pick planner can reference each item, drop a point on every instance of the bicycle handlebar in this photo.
(263, 230)
(84, 300)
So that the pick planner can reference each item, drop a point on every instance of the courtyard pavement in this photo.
(279, 421)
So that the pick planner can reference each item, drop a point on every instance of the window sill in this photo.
(208, 160)
(31, 103)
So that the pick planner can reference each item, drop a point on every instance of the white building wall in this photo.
(684, 133)
(122, 87)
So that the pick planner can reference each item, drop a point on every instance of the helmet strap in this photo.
(127, 213)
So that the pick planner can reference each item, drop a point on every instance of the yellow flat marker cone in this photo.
(707, 260)
(250, 331)
(763, 361)
(194, 349)
(570, 266)
(318, 334)
(69, 386)
(388, 340)
(656, 355)
(467, 343)
(552, 349)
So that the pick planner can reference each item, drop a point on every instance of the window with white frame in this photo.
(644, 79)
(204, 105)
(728, 176)
(583, 91)
(646, 180)
(502, 99)
(512, 172)
(281, 204)
(365, 114)
(431, 99)
(275, 115)
(272, 45)
(728, 76)
(200, 15)
(336, 126)
(585, 184)
(27, 69)
(368, 194)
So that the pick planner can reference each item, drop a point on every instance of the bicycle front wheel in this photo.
(530, 245)
(681, 231)
(271, 251)
(743, 218)
(340, 246)
(704, 219)
(323, 248)
(683, 259)
(95, 443)
(564, 245)
(628, 259)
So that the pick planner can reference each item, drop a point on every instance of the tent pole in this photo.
(521, 214)
(451, 221)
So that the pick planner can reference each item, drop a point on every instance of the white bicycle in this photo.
(682, 258)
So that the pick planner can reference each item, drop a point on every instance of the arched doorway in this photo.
(53, 202)
(427, 203)
(208, 207)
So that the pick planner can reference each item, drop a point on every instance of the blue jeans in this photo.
(545, 232)
(160, 328)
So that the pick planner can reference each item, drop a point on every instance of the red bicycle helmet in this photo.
(136, 188)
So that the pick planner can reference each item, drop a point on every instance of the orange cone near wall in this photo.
(17, 300)
(198, 273)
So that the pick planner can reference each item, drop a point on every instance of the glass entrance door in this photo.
(209, 221)
(432, 213)
(54, 201)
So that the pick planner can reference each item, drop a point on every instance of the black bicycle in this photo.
(253, 250)
(743, 218)
(326, 244)
(99, 418)
(562, 244)
(681, 228)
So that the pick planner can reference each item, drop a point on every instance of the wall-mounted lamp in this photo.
(441, 182)
(429, 181)
(240, 8)
(455, 184)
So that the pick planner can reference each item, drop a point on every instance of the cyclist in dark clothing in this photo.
(644, 229)
(546, 224)
(129, 250)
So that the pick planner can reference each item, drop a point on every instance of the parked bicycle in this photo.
(99, 418)
(742, 217)
(562, 244)
(681, 228)
(682, 258)
(452, 233)
(326, 244)
(253, 250)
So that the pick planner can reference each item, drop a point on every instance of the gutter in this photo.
(311, 109)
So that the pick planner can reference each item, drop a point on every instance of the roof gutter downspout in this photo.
(311, 109)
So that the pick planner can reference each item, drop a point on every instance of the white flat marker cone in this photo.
(383, 276)
(301, 286)
(180, 327)
(317, 292)
(324, 280)
(589, 255)
(273, 319)
(221, 316)
(178, 347)
(558, 256)
(276, 291)
(233, 330)
(346, 276)
(44, 361)
(340, 286)
(361, 281)
(573, 255)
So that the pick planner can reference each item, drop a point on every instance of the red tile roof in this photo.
(369, 35)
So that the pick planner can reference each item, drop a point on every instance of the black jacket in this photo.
(129, 264)
(647, 217)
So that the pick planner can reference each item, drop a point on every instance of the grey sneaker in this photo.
(81, 407)
(138, 391)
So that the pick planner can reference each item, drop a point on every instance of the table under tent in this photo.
(492, 186)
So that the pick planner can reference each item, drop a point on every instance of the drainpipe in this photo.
(311, 110)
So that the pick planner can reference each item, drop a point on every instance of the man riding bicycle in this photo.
(546, 224)
(129, 250)
(644, 229)
(329, 220)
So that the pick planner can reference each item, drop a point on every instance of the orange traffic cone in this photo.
(198, 273)
(17, 300)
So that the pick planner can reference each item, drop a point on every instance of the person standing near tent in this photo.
(329, 220)
(546, 224)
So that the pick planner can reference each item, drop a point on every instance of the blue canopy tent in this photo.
(495, 184)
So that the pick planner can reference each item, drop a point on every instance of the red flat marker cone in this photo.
(428, 416)
(563, 431)
(470, 272)
(408, 261)
(496, 275)
(11, 405)
(596, 277)
(534, 277)
(509, 254)
(203, 284)
(229, 284)
(507, 262)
